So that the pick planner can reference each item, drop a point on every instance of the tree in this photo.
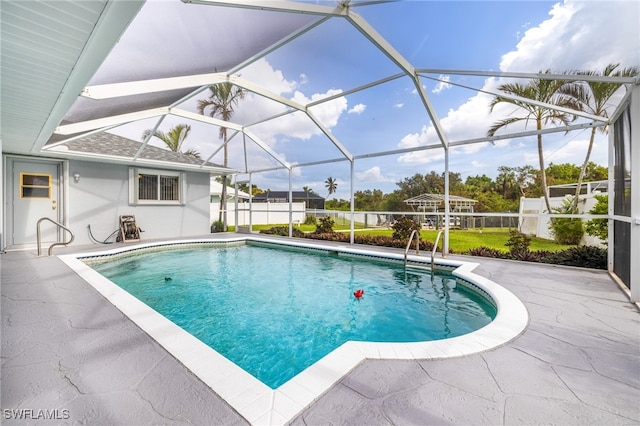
(432, 183)
(562, 174)
(370, 200)
(541, 90)
(599, 227)
(331, 185)
(566, 230)
(308, 191)
(223, 97)
(594, 97)
(174, 138)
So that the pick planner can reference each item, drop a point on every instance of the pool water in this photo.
(274, 312)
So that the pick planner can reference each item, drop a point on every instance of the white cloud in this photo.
(262, 73)
(443, 84)
(398, 105)
(371, 175)
(295, 125)
(577, 35)
(358, 109)
(572, 152)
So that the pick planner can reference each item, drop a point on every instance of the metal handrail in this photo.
(435, 247)
(54, 244)
(406, 250)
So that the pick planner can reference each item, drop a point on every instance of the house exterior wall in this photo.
(102, 194)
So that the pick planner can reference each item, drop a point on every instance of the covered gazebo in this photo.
(435, 203)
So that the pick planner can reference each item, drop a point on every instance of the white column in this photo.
(250, 205)
(445, 242)
(290, 202)
(352, 233)
(3, 243)
(610, 199)
(634, 252)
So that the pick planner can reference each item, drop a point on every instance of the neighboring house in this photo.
(216, 192)
(310, 200)
(91, 181)
(214, 206)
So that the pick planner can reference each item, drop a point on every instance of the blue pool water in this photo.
(274, 312)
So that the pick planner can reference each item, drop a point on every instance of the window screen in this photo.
(169, 188)
(147, 187)
(156, 186)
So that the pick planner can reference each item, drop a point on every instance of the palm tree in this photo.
(307, 191)
(223, 97)
(541, 90)
(593, 97)
(331, 185)
(174, 138)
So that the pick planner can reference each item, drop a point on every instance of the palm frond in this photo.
(504, 123)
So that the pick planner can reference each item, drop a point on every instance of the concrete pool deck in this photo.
(67, 353)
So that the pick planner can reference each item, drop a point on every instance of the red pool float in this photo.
(358, 293)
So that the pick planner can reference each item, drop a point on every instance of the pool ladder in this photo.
(54, 244)
(416, 234)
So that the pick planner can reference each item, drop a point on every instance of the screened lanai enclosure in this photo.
(283, 94)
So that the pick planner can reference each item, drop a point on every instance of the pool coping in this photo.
(255, 401)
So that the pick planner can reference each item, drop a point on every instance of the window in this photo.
(156, 186)
(35, 185)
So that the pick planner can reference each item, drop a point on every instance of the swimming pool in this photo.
(275, 312)
(255, 401)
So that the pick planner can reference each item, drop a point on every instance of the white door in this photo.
(36, 193)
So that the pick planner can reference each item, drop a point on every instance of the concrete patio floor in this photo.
(69, 354)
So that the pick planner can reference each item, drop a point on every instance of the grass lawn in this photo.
(459, 240)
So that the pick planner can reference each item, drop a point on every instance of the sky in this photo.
(508, 36)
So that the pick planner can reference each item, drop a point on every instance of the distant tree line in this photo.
(501, 194)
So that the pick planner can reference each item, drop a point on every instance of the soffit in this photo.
(49, 52)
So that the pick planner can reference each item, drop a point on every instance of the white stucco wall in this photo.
(540, 226)
(102, 195)
(263, 213)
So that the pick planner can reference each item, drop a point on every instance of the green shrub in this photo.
(518, 243)
(370, 240)
(217, 226)
(530, 256)
(310, 220)
(325, 225)
(566, 230)
(583, 256)
(402, 228)
(599, 227)
(487, 252)
(283, 231)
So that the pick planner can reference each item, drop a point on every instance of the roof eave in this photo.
(143, 162)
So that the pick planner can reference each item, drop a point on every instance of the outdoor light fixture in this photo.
(76, 177)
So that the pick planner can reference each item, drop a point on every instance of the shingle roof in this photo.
(114, 145)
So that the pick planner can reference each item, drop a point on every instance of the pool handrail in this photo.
(435, 248)
(406, 250)
(64, 243)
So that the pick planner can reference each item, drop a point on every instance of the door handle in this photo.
(53, 204)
